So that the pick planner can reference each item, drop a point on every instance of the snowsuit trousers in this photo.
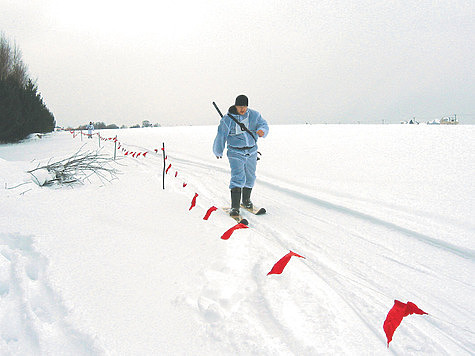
(243, 167)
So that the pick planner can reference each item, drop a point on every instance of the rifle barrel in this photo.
(216, 107)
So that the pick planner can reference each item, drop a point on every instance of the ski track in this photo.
(35, 313)
(465, 253)
(358, 295)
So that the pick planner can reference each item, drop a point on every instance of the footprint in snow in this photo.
(210, 310)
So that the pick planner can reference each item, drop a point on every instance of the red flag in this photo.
(166, 172)
(208, 213)
(144, 154)
(228, 233)
(139, 154)
(280, 265)
(176, 173)
(395, 315)
(185, 184)
(193, 201)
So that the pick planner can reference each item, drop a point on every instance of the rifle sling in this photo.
(242, 126)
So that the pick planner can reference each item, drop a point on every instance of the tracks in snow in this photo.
(36, 318)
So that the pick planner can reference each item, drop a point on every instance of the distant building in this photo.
(449, 120)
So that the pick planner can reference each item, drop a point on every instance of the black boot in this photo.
(246, 197)
(235, 201)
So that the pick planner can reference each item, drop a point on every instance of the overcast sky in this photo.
(298, 61)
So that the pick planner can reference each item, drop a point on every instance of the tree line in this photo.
(99, 126)
(102, 126)
(22, 110)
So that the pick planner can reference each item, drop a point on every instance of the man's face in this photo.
(241, 109)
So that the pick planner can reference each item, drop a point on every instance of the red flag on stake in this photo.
(395, 315)
(169, 166)
(280, 265)
(208, 213)
(185, 184)
(176, 173)
(193, 201)
(144, 154)
(228, 233)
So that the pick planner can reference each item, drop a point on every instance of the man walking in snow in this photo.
(240, 128)
(90, 128)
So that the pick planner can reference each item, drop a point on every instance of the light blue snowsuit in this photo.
(90, 128)
(242, 148)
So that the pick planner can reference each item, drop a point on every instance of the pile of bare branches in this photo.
(76, 169)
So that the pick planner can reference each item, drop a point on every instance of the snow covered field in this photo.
(379, 212)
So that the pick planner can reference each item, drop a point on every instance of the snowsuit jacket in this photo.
(230, 132)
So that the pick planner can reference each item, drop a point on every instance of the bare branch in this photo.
(77, 169)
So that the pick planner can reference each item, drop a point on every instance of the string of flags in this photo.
(120, 147)
(395, 315)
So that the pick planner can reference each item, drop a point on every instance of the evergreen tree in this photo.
(22, 110)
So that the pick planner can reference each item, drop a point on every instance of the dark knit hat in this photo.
(241, 100)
